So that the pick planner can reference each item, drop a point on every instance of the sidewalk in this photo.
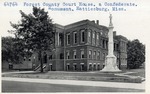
(17, 72)
(80, 83)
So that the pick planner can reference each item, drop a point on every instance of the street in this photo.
(13, 86)
(29, 85)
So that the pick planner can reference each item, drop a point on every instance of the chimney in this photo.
(97, 22)
(93, 21)
(114, 33)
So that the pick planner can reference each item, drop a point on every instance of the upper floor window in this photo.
(94, 54)
(98, 55)
(106, 44)
(89, 36)
(117, 47)
(93, 40)
(61, 56)
(89, 33)
(93, 34)
(82, 53)
(97, 41)
(114, 46)
(90, 54)
(68, 38)
(74, 54)
(50, 57)
(61, 37)
(97, 36)
(103, 43)
(82, 36)
(75, 37)
(68, 56)
(104, 55)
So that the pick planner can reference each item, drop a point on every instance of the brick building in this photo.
(81, 46)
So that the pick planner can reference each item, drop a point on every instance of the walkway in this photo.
(17, 72)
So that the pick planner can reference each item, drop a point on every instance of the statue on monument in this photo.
(110, 60)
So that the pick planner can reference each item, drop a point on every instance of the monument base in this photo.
(110, 64)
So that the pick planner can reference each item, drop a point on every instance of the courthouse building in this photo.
(81, 46)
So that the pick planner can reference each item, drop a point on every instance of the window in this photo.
(90, 67)
(97, 36)
(61, 37)
(50, 57)
(94, 67)
(97, 42)
(104, 55)
(89, 33)
(93, 34)
(90, 54)
(68, 39)
(75, 55)
(68, 55)
(82, 53)
(98, 55)
(93, 40)
(89, 38)
(61, 56)
(75, 37)
(51, 67)
(74, 66)
(117, 47)
(94, 54)
(100, 42)
(68, 67)
(98, 67)
(82, 36)
(103, 44)
(114, 46)
(106, 44)
(82, 66)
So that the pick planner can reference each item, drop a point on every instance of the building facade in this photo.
(82, 46)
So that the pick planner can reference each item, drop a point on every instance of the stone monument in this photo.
(110, 60)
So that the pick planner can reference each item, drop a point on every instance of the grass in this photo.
(137, 72)
(90, 76)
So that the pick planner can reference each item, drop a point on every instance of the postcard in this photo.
(74, 46)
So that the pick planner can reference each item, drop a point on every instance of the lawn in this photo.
(137, 72)
(89, 76)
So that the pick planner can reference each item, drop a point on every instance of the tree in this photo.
(36, 31)
(135, 54)
(12, 50)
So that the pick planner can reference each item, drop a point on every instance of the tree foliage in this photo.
(35, 30)
(12, 50)
(135, 54)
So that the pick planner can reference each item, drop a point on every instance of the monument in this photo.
(110, 60)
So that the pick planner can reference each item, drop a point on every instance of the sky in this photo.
(134, 23)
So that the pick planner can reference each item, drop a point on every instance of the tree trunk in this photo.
(41, 60)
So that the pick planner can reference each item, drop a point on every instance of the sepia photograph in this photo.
(80, 46)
